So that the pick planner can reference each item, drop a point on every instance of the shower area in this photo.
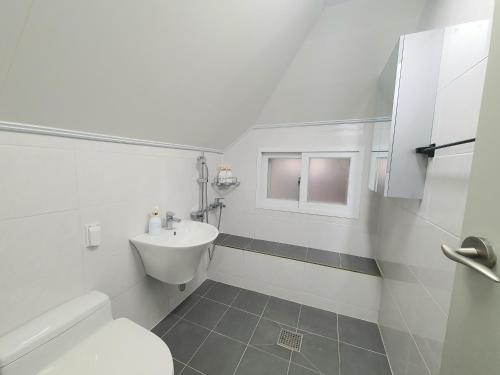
(375, 273)
(207, 209)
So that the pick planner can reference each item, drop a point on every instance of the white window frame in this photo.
(349, 210)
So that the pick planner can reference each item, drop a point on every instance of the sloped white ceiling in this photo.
(194, 72)
(335, 73)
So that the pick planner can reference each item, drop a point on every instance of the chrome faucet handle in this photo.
(170, 219)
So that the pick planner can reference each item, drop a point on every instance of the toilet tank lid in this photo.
(45, 327)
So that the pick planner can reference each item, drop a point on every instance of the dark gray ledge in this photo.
(325, 258)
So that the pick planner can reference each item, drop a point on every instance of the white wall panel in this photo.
(241, 217)
(418, 279)
(341, 291)
(36, 181)
(41, 265)
(51, 187)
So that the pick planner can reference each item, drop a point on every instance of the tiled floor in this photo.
(224, 330)
(304, 254)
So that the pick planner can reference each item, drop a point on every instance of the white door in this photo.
(472, 345)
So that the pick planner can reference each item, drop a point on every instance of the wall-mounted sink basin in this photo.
(174, 255)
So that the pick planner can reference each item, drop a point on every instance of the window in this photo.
(323, 183)
(328, 180)
(284, 178)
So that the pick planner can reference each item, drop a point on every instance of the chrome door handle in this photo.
(476, 253)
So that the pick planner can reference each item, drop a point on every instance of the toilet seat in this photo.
(119, 347)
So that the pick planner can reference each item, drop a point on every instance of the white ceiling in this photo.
(194, 72)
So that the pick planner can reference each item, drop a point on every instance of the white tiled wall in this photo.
(349, 293)
(418, 279)
(332, 289)
(51, 187)
(241, 217)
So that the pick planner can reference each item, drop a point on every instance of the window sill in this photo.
(342, 212)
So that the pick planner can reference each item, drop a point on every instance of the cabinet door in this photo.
(417, 80)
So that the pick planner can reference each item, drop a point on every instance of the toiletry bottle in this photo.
(155, 222)
(222, 174)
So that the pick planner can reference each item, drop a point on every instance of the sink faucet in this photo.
(170, 220)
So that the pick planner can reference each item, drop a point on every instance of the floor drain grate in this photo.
(290, 340)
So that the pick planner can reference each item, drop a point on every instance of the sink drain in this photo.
(290, 340)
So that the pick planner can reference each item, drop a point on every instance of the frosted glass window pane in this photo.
(381, 172)
(328, 180)
(283, 179)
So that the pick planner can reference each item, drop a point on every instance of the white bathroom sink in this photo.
(174, 255)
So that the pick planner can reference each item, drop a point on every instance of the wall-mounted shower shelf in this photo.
(226, 182)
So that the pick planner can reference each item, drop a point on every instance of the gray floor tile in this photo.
(326, 258)
(184, 338)
(223, 293)
(291, 251)
(206, 313)
(359, 264)
(262, 246)
(256, 362)
(282, 311)
(356, 361)
(204, 287)
(165, 325)
(237, 324)
(251, 301)
(318, 354)
(186, 305)
(218, 355)
(266, 338)
(318, 321)
(299, 370)
(191, 371)
(237, 242)
(360, 333)
(178, 367)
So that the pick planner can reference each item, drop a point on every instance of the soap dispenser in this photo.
(155, 222)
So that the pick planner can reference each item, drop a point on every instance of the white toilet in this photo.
(81, 337)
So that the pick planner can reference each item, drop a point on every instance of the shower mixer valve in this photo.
(217, 203)
(199, 214)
